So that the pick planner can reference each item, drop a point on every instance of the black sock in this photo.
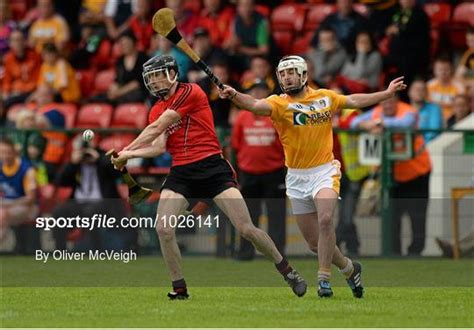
(179, 285)
(283, 267)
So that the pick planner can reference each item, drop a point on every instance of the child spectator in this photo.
(22, 66)
(58, 74)
(48, 28)
(443, 88)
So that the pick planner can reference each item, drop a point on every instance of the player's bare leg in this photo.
(233, 205)
(309, 227)
(171, 204)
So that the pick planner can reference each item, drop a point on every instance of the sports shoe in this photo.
(324, 289)
(182, 295)
(296, 283)
(355, 280)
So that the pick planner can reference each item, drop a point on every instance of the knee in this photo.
(165, 233)
(325, 221)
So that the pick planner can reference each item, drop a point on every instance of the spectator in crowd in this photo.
(48, 117)
(127, 87)
(165, 47)
(353, 177)
(202, 45)
(222, 109)
(30, 144)
(328, 58)
(411, 191)
(140, 25)
(186, 20)
(345, 22)
(261, 162)
(217, 18)
(250, 34)
(311, 69)
(83, 55)
(58, 74)
(408, 40)
(117, 16)
(17, 198)
(260, 68)
(48, 28)
(364, 66)
(444, 87)
(7, 26)
(94, 183)
(461, 109)
(380, 13)
(429, 114)
(93, 13)
(465, 68)
(466, 245)
(22, 66)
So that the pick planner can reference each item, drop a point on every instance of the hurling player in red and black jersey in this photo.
(182, 123)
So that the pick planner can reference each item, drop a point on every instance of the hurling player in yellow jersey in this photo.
(302, 117)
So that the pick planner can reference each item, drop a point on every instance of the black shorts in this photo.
(204, 179)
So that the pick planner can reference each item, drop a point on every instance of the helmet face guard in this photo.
(299, 65)
(154, 70)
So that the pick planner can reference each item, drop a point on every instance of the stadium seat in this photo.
(288, 17)
(463, 17)
(18, 9)
(316, 15)
(94, 115)
(301, 45)
(86, 81)
(116, 52)
(116, 141)
(102, 59)
(263, 10)
(131, 115)
(464, 13)
(103, 80)
(69, 110)
(283, 40)
(439, 13)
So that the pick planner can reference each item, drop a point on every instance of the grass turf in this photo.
(400, 293)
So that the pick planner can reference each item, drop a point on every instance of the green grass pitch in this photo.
(226, 293)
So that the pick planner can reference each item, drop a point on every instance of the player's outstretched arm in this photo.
(246, 102)
(366, 100)
(154, 130)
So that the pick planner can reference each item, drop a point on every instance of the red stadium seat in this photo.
(288, 17)
(116, 141)
(102, 59)
(439, 13)
(301, 45)
(86, 81)
(18, 9)
(103, 80)
(463, 17)
(464, 13)
(283, 40)
(96, 115)
(316, 15)
(263, 10)
(132, 115)
(69, 110)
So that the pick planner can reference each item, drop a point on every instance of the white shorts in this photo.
(302, 185)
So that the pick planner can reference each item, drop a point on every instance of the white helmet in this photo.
(299, 64)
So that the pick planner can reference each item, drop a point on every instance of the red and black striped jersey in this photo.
(193, 137)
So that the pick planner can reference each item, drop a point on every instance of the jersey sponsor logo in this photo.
(313, 119)
(173, 127)
(316, 105)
